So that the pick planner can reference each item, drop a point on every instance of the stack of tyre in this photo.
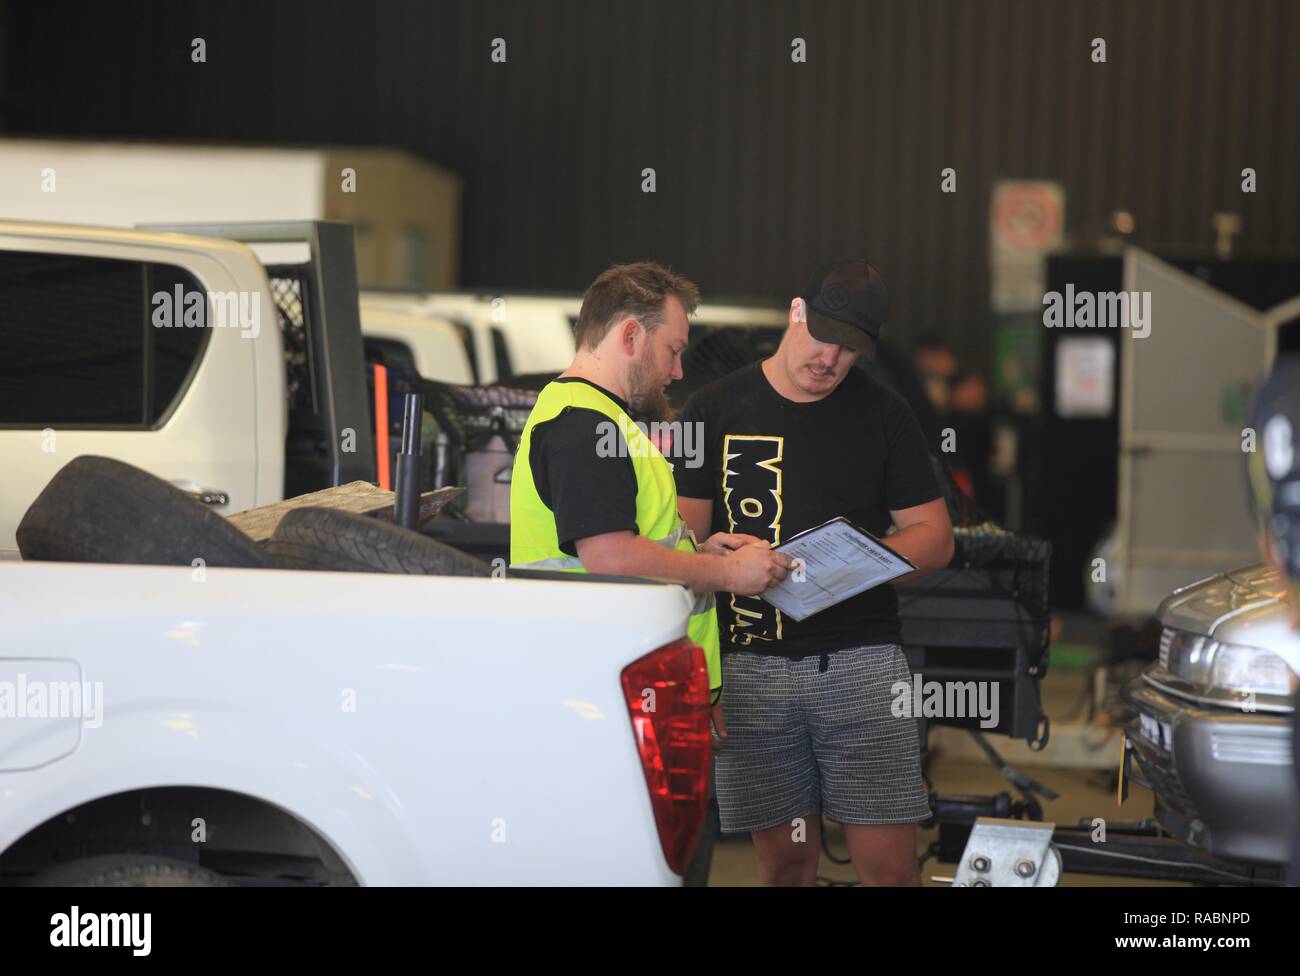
(98, 510)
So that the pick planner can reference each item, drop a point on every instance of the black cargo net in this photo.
(287, 295)
(460, 420)
(485, 411)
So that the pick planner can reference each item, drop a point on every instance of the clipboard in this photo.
(839, 561)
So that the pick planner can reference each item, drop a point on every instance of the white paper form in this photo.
(839, 560)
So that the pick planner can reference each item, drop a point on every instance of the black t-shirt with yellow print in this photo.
(774, 467)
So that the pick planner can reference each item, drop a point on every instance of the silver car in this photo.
(1213, 732)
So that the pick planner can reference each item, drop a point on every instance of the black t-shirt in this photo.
(774, 467)
(590, 494)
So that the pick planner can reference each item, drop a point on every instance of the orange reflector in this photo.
(381, 427)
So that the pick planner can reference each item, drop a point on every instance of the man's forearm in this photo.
(929, 547)
(638, 556)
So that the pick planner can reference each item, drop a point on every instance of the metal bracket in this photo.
(1009, 854)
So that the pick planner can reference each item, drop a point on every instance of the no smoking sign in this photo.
(1027, 216)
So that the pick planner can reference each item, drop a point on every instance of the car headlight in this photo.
(1242, 669)
(1186, 655)
(1232, 667)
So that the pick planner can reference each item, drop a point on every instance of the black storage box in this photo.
(984, 618)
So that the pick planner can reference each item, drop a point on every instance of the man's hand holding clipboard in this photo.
(832, 562)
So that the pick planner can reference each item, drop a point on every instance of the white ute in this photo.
(389, 729)
(215, 725)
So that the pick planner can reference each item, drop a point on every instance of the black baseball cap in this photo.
(847, 303)
(1274, 466)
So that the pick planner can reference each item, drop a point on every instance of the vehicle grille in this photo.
(1245, 747)
(1166, 638)
(1164, 782)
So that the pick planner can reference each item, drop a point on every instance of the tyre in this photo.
(130, 871)
(98, 510)
(325, 539)
(697, 872)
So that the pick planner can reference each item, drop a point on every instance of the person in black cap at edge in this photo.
(1274, 474)
(789, 443)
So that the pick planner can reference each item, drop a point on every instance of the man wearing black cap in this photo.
(792, 442)
(1273, 469)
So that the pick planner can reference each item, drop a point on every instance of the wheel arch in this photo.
(215, 827)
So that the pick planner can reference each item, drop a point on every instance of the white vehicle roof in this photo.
(472, 303)
(31, 230)
(537, 330)
(437, 349)
(719, 315)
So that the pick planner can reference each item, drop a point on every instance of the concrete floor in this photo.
(1083, 793)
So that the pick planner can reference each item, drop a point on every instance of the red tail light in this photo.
(667, 695)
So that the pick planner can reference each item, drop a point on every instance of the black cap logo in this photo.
(834, 297)
(847, 303)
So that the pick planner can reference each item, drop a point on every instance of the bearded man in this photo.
(578, 506)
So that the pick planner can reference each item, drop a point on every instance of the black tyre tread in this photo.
(101, 510)
(329, 540)
(131, 871)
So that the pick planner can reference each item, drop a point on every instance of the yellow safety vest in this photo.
(534, 543)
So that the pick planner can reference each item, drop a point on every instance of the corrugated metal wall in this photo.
(764, 167)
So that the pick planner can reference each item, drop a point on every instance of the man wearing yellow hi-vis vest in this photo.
(591, 492)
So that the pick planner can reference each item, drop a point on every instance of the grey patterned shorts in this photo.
(805, 742)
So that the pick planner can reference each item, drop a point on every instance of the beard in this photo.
(645, 396)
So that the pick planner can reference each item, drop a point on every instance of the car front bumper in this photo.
(1223, 779)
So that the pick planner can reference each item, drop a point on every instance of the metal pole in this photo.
(408, 464)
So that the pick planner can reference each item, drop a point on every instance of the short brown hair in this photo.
(637, 290)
